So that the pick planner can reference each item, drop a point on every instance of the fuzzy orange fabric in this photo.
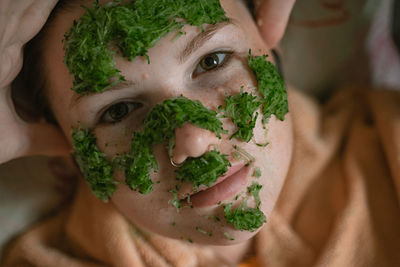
(339, 205)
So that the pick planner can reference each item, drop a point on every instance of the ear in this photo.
(272, 18)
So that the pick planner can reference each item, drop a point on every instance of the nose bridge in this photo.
(192, 141)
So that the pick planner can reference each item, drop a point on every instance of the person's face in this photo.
(177, 68)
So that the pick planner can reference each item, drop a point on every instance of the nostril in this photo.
(192, 141)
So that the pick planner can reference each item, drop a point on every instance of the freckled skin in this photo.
(167, 78)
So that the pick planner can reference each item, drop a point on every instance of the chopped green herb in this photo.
(244, 218)
(203, 170)
(248, 156)
(262, 145)
(132, 29)
(270, 86)
(241, 108)
(254, 190)
(229, 236)
(138, 164)
(219, 203)
(176, 202)
(174, 224)
(98, 172)
(237, 155)
(257, 172)
(190, 240)
(203, 231)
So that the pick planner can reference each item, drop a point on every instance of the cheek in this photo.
(274, 159)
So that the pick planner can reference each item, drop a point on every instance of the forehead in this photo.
(54, 52)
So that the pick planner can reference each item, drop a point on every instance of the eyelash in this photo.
(220, 65)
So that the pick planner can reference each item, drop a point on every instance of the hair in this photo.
(30, 88)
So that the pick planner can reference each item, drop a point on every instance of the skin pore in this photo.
(175, 70)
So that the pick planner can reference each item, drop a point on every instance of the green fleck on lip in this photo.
(203, 170)
(270, 86)
(98, 172)
(244, 218)
(131, 29)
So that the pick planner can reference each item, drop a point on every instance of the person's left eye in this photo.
(211, 62)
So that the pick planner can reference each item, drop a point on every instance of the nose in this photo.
(192, 141)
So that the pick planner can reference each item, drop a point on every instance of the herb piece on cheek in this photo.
(203, 170)
(254, 190)
(176, 202)
(97, 171)
(139, 163)
(133, 28)
(241, 108)
(244, 218)
(203, 231)
(245, 154)
(257, 173)
(270, 86)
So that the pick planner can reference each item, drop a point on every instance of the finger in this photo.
(272, 19)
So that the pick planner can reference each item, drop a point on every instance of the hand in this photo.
(272, 18)
(20, 21)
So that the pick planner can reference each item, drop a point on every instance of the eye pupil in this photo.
(118, 111)
(210, 62)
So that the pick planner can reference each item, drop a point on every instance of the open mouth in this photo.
(225, 187)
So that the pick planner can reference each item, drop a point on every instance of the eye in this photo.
(119, 111)
(211, 61)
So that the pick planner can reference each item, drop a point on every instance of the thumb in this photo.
(272, 18)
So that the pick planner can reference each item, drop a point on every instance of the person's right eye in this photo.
(118, 112)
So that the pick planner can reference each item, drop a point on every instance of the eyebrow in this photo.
(78, 97)
(199, 40)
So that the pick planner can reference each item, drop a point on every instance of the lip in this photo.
(225, 187)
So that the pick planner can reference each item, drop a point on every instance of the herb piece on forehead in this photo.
(203, 170)
(241, 108)
(158, 128)
(97, 171)
(244, 218)
(132, 29)
(270, 86)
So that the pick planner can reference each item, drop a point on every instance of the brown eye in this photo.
(119, 111)
(211, 61)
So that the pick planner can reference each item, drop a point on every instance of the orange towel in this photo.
(339, 205)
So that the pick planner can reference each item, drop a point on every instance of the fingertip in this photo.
(272, 18)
